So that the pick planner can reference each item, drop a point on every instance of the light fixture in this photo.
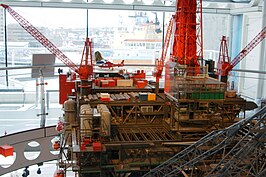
(128, 1)
(26, 172)
(39, 169)
(67, 0)
(148, 2)
(88, 1)
(168, 2)
(45, 0)
(108, 1)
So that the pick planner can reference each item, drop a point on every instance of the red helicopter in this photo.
(110, 65)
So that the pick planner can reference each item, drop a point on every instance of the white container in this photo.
(124, 83)
(86, 115)
(105, 119)
(70, 111)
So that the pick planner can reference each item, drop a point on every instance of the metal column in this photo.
(262, 66)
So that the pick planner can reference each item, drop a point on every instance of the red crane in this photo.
(160, 62)
(223, 60)
(85, 68)
(225, 66)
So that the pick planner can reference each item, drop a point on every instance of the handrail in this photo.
(19, 141)
(58, 65)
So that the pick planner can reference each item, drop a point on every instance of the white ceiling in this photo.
(156, 5)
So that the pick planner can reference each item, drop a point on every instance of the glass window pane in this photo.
(66, 29)
(133, 36)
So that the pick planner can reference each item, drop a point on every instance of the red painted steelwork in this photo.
(85, 69)
(243, 53)
(223, 60)
(224, 65)
(34, 32)
(187, 45)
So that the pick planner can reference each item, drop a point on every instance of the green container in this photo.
(207, 96)
(212, 95)
(221, 95)
(198, 96)
(193, 96)
(202, 96)
(216, 95)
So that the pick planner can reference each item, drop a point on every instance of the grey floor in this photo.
(16, 118)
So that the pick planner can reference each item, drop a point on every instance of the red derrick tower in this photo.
(187, 46)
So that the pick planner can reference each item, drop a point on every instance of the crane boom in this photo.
(243, 53)
(160, 62)
(167, 40)
(41, 38)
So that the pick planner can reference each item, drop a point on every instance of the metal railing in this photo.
(20, 141)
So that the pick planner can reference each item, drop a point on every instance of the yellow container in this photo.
(151, 96)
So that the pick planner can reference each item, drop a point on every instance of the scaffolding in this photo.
(238, 150)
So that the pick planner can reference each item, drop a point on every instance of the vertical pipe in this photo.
(5, 28)
(43, 112)
(36, 93)
(262, 65)
(87, 22)
(163, 29)
(200, 54)
(238, 41)
(157, 84)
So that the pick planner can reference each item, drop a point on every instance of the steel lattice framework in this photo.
(41, 38)
(251, 45)
(238, 150)
(228, 66)
(160, 62)
(187, 44)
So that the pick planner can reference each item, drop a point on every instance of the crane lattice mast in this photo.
(41, 38)
(246, 50)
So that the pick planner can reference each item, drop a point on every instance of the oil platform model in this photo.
(116, 124)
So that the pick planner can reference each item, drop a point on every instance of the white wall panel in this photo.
(251, 27)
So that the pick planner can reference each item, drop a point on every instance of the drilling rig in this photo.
(121, 131)
(106, 131)
(198, 102)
